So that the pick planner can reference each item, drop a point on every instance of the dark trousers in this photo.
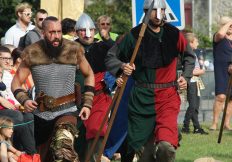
(23, 136)
(126, 156)
(194, 104)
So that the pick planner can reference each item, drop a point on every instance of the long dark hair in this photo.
(16, 53)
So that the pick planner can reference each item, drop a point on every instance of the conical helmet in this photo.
(157, 4)
(85, 22)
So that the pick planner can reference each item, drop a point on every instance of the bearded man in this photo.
(22, 26)
(53, 63)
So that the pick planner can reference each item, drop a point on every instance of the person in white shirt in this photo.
(22, 26)
(5, 63)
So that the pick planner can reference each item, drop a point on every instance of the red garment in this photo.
(167, 102)
(11, 101)
(166, 74)
(101, 104)
(167, 106)
(28, 158)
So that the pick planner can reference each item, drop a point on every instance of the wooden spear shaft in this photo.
(228, 94)
(118, 94)
(101, 127)
(121, 90)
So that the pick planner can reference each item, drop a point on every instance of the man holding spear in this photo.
(154, 102)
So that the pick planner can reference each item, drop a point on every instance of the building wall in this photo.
(188, 15)
(221, 8)
(200, 15)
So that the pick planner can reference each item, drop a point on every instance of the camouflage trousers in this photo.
(62, 143)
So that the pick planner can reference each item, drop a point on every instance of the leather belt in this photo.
(156, 85)
(48, 102)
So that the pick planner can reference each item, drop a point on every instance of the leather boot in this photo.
(164, 152)
(146, 153)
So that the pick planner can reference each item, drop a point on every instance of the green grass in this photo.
(194, 146)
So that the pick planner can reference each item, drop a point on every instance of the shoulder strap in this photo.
(34, 30)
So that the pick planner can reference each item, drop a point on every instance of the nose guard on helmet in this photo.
(85, 22)
(158, 4)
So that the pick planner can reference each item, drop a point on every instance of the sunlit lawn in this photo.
(194, 146)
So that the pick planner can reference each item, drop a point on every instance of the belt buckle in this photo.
(49, 102)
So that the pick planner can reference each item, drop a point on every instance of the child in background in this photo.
(193, 91)
(7, 151)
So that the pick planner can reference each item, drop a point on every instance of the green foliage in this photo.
(7, 12)
(119, 11)
(205, 41)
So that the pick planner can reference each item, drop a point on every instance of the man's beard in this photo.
(155, 25)
(86, 41)
(52, 50)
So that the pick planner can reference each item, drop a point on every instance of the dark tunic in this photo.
(95, 54)
(149, 107)
(222, 52)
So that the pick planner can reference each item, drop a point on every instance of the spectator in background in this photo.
(16, 57)
(24, 135)
(193, 91)
(95, 52)
(222, 51)
(7, 151)
(9, 46)
(5, 103)
(6, 63)
(104, 24)
(104, 27)
(68, 29)
(36, 34)
(22, 26)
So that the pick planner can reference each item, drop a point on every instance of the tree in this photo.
(118, 10)
(7, 13)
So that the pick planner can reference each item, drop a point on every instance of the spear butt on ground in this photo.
(228, 94)
(118, 95)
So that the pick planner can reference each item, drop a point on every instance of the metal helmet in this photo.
(157, 4)
(85, 22)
